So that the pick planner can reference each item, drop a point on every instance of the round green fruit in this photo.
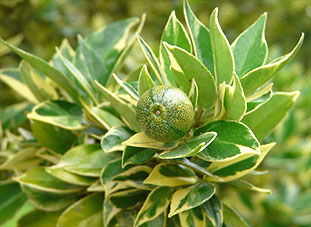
(165, 113)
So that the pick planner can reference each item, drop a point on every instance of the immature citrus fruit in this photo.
(165, 113)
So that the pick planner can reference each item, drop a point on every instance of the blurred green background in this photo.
(39, 25)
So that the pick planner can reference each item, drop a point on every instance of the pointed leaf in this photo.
(194, 94)
(152, 59)
(59, 113)
(200, 36)
(167, 174)
(127, 87)
(38, 86)
(12, 78)
(234, 101)
(155, 204)
(213, 210)
(249, 186)
(222, 54)
(192, 217)
(86, 212)
(232, 218)
(233, 140)
(136, 155)
(174, 34)
(145, 81)
(259, 76)
(142, 140)
(264, 119)
(46, 69)
(189, 67)
(109, 211)
(191, 147)
(80, 81)
(250, 48)
(190, 197)
(24, 159)
(127, 113)
(86, 160)
(239, 167)
(112, 140)
(39, 178)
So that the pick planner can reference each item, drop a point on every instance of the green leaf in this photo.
(14, 115)
(89, 63)
(47, 134)
(256, 103)
(200, 36)
(166, 174)
(15, 40)
(233, 140)
(25, 208)
(128, 199)
(38, 86)
(104, 118)
(86, 160)
(12, 78)
(192, 217)
(155, 204)
(59, 113)
(127, 87)
(194, 94)
(24, 159)
(109, 211)
(47, 200)
(39, 218)
(55, 75)
(109, 44)
(39, 178)
(112, 140)
(259, 76)
(234, 101)
(134, 176)
(266, 117)
(186, 67)
(213, 211)
(174, 34)
(82, 85)
(85, 212)
(128, 114)
(11, 200)
(249, 186)
(71, 178)
(145, 81)
(191, 147)
(136, 155)
(222, 54)
(113, 168)
(190, 197)
(232, 218)
(142, 140)
(152, 59)
(250, 48)
(238, 167)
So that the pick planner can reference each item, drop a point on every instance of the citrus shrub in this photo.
(153, 149)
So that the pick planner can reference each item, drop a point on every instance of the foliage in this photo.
(79, 156)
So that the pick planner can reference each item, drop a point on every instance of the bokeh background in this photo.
(39, 25)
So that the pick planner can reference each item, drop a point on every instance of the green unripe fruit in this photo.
(165, 113)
